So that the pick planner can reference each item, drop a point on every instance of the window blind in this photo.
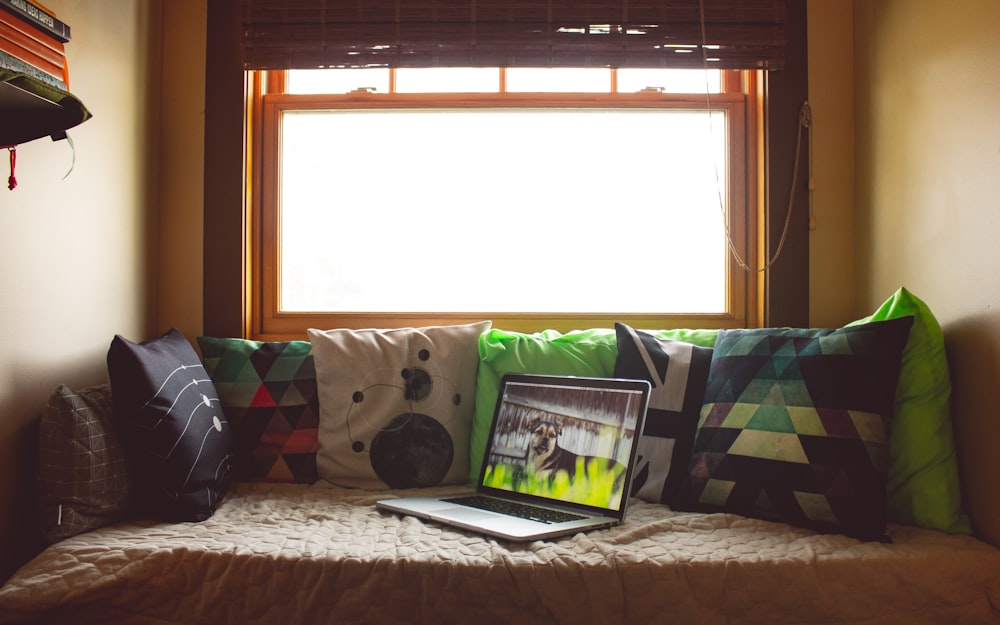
(308, 34)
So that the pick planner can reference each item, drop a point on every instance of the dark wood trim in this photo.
(224, 214)
(786, 283)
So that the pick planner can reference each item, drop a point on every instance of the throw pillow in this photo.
(268, 393)
(589, 352)
(923, 481)
(677, 372)
(81, 482)
(176, 435)
(795, 426)
(396, 405)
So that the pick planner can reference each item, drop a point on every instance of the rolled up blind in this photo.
(307, 34)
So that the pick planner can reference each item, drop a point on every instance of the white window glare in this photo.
(503, 210)
(670, 80)
(518, 80)
(448, 80)
(336, 81)
(558, 80)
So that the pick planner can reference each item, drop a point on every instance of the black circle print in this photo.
(417, 383)
(412, 450)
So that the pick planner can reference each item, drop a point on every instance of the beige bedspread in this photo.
(300, 555)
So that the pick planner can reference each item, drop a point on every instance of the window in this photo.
(539, 198)
(254, 41)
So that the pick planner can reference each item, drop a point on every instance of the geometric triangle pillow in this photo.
(396, 405)
(268, 392)
(678, 372)
(795, 427)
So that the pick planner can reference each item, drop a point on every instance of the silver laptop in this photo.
(559, 460)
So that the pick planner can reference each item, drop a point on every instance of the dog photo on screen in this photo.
(548, 445)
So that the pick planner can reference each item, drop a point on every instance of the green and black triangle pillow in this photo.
(795, 427)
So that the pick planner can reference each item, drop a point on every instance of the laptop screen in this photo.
(565, 439)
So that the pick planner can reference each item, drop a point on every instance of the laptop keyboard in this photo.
(513, 508)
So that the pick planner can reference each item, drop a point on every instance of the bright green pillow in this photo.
(923, 485)
(584, 353)
(589, 353)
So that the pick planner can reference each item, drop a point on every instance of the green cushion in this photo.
(923, 484)
(584, 352)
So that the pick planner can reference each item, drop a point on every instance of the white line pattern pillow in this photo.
(678, 373)
(176, 435)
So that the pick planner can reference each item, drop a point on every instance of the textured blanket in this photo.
(297, 554)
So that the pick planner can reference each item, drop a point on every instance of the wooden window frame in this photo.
(268, 322)
(782, 297)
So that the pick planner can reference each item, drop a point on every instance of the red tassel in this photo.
(12, 181)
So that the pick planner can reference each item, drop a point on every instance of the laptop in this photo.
(559, 460)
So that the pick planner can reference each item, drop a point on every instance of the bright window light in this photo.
(448, 80)
(558, 80)
(307, 81)
(503, 210)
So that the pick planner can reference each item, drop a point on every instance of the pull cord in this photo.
(805, 121)
(12, 180)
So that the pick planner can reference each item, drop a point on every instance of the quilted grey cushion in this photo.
(81, 479)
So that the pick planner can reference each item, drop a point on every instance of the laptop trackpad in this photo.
(461, 513)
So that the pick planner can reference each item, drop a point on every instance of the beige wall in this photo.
(831, 97)
(928, 198)
(75, 252)
(179, 300)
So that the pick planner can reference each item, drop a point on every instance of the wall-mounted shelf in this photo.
(31, 109)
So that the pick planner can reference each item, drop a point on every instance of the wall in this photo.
(182, 166)
(76, 251)
(928, 198)
(831, 97)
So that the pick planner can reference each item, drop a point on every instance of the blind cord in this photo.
(805, 121)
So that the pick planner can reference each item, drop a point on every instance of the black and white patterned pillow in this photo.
(169, 415)
(677, 372)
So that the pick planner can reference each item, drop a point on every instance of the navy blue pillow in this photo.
(176, 437)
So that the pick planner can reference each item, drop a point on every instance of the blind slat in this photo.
(306, 34)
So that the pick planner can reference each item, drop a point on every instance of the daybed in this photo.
(314, 552)
(308, 554)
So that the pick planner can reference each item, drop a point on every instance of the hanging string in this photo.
(11, 180)
(72, 163)
(805, 121)
(812, 179)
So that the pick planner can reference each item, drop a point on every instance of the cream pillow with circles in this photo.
(396, 405)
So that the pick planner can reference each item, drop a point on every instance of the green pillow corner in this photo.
(589, 353)
(923, 485)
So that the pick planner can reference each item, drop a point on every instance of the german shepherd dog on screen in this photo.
(546, 458)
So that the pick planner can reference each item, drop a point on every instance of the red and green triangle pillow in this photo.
(268, 393)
